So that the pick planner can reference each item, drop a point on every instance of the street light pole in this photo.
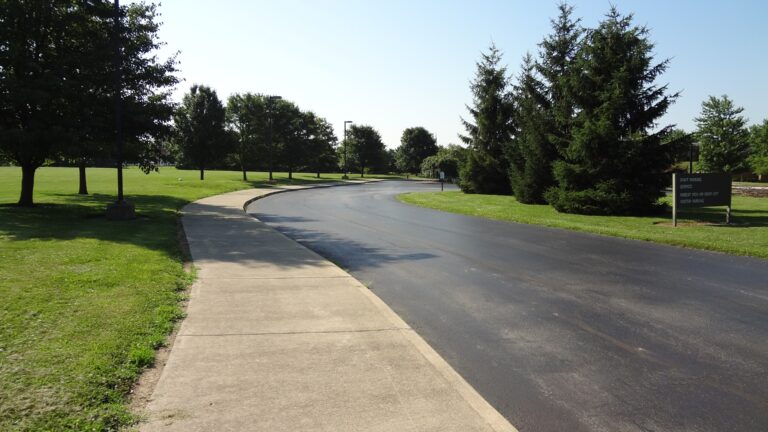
(270, 101)
(690, 161)
(346, 168)
(120, 209)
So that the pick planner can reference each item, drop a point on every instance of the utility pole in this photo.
(346, 168)
(270, 102)
(120, 209)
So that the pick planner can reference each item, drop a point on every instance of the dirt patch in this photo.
(756, 192)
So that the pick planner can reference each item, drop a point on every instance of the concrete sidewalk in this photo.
(277, 338)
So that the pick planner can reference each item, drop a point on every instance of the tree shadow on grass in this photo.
(84, 218)
(715, 216)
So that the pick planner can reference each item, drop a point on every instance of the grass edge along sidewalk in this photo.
(270, 314)
(701, 228)
(87, 301)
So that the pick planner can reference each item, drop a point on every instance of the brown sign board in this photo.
(702, 190)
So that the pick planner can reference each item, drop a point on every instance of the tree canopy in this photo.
(199, 123)
(530, 152)
(416, 144)
(299, 139)
(615, 158)
(545, 108)
(366, 149)
(723, 136)
(447, 159)
(56, 82)
(489, 132)
(246, 116)
(758, 141)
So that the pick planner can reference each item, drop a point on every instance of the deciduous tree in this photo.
(366, 147)
(199, 126)
(39, 52)
(321, 152)
(758, 141)
(448, 160)
(723, 136)
(416, 144)
(246, 116)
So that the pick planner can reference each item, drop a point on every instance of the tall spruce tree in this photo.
(488, 136)
(545, 108)
(723, 136)
(558, 68)
(615, 160)
(530, 153)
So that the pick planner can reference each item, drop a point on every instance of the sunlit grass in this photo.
(701, 228)
(85, 301)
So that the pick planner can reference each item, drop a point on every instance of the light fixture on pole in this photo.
(346, 169)
(270, 101)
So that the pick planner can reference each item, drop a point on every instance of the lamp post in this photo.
(346, 169)
(690, 160)
(120, 209)
(270, 101)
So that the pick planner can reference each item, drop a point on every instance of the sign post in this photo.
(701, 190)
(442, 180)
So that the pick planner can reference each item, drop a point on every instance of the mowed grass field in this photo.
(85, 301)
(701, 228)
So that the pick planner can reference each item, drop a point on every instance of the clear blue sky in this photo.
(397, 63)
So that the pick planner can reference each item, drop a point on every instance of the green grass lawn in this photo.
(85, 301)
(701, 228)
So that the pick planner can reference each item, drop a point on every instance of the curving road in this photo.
(558, 330)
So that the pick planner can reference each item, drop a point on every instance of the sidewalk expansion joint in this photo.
(301, 332)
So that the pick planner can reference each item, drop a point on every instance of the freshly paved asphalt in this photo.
(558, 330)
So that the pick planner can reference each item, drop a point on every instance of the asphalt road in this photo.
(560, 331)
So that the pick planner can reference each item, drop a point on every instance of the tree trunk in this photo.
(318, 172)
(27, 185)
(83, 181)
(202, 173)
(290, 173)
(245, 176)
(362, 170)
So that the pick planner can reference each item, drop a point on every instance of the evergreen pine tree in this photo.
(615, 162)
(557, 67)
(486, 168)
(530, 153)
(545, 109)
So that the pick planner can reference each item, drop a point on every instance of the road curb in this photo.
(484, 409)
(305, 187)
(474, 409)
